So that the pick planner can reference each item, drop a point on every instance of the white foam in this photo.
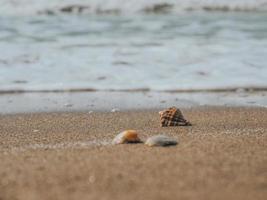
(29, 7)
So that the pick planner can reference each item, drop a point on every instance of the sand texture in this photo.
(70, 156)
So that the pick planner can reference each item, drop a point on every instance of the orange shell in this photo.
(128, 136)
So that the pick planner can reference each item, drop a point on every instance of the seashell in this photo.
(128, 136)
(115, 110)
(173, 117)
(160, 140)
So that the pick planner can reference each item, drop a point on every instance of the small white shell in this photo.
(128, 136)
(115, 110)
(160, 140)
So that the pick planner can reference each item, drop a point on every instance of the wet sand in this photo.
(69, 156)
(34, 102)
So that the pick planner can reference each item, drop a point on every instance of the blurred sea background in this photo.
(157, 45)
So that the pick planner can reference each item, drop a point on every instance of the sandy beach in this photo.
(75, 74)
(69, 156)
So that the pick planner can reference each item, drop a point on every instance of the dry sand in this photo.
(69, 156)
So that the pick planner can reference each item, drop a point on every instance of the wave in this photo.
(32, 7)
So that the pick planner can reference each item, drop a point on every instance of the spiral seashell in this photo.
(173, 117)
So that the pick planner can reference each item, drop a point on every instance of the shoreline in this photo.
(79, 90)
(69, 156)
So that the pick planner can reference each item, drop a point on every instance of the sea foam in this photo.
(31, 7)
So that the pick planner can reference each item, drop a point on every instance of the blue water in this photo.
(191, 50)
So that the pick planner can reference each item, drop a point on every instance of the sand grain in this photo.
(222, 156)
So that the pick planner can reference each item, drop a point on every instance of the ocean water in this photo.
(132, 45)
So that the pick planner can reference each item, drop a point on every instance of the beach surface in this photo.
(70, 156)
